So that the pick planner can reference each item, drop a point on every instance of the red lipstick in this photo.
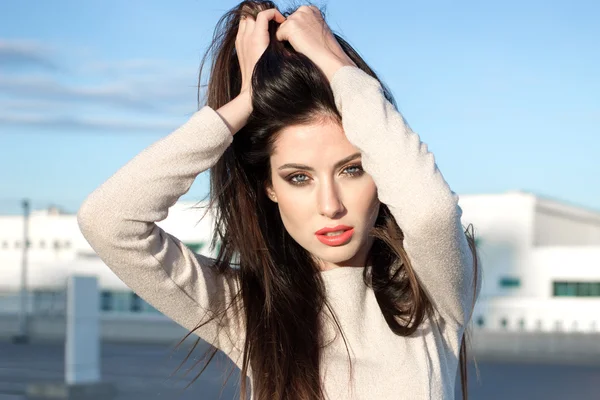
(339, 239)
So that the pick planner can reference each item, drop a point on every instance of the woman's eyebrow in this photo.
(307, 168)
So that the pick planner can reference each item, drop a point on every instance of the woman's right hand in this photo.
(251, 42)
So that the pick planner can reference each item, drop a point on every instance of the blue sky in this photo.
(506, 94)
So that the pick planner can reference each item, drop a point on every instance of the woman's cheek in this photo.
(291, 197)
(293, 208)
(362, 200)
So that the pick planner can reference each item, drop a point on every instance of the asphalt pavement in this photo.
(139, 372)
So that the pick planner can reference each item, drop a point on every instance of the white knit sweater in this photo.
(119, 221)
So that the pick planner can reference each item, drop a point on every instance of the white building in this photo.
(57, 249)
(540, 261)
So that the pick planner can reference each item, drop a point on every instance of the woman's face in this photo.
(318, 182)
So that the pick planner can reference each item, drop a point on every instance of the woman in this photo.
(343, 270)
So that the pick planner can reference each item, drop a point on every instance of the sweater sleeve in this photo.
(119, 220)
(410, 184)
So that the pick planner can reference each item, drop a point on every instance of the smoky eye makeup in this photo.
(297, 178)
(354, 169)
(302, 178)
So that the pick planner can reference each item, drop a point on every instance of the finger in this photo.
(241, 27)
(308, 9)
(263, 18)
(282, 32)
(250, 25)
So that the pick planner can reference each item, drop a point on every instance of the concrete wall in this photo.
(53, 237)
(558, 224)
(485, 343)
(504, 225)
(558, 263)
(57, 247)
(536, 347)
(114, 328)
(538, 315)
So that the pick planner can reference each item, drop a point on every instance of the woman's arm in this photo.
(119, 218)
(405, 173)
(119, 221)
(410, 184)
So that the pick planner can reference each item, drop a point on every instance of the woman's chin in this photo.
(342, 256)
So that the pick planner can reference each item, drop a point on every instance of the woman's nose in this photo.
(330, 202)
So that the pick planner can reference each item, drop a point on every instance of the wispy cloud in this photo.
(16, 106)
(134, 86)
(133, 67)
(119, 94)
(22, 54)
(83, 125)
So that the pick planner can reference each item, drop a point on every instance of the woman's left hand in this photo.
(308, 34)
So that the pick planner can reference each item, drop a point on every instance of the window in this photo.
(576, 289)
(560, 289)
(195, 247)
(147, 308)
(504, 322)
(19, 244)
(581, 288)
(558, 325)
(49, 301)
(538, 324)
(121, 301)
(480, 321)
(510, 282)
(106, 303)
(136, 303)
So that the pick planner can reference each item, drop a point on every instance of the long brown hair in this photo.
(280, 292)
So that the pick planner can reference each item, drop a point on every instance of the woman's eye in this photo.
(354, 170)
(303, 179)
(298, 179)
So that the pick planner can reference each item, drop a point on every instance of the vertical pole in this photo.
(23, 336)
(82, 342)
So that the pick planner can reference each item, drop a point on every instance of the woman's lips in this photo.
(337, 228)
(336, 240)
